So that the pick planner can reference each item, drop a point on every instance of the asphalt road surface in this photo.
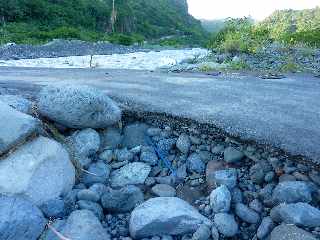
(284, 113)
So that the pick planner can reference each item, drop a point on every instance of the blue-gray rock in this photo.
(163, 190)
(183, 143)
(88, 195)
(226, 177)
(226, 224)
(77, 106)
(149, 156)
(84, 225)
(257, 174)
(91, 206)
(195, 164)
(292, 192)
(58, 225)
(18, 102)
(111, 138)
(300, 214)
(70, 200)
(237, 195)
(123, 155)
(84, 143)
(232, 155)
(122, 200)
(246, 214)
(54, 208)
(20, 219)
(106, 156)
(135, 135)
(41, 170)
(16, 127)
(202, 233)
(214, 233)
(99, 188)
(97, 173)
(265, 227)
(220, 199)
(165, 215)
(256, 205)
(130, 174)
(290, 232)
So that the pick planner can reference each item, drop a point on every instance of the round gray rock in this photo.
(165, 216)
(290, 232)
(226, 224)
(292, 192)
(163, 190)
(20, 219)
(232, 155)
(246, 213)
(41, 170)
(77, 106)
(183, 143)
(220, 199)
(17, 102)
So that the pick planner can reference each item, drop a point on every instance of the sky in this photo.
(258, 9)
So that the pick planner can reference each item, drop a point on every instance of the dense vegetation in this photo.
(33, 21)
(288, 27)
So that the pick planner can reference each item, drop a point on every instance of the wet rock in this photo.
(292, 192)
(220, 199)
(130, 174)
(41, 170)
(20, 219)
(163, 190)
(184, 143)
(165, 215)
(122, 200)
(232, 155)
(286, 232)
(246, 214)
(226, 224)
(16, 127)
(77, 106)
(195, 164)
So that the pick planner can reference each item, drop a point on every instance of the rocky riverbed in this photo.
(74, 165)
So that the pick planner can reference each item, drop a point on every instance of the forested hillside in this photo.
(42, 20)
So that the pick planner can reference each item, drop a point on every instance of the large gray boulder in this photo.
(41, 170)
(84, 225)
(292, 192)
(122, 200)
(165, 216)
(300, 214)
(17, 102)
(20, 219)
(130, 174)
(77, 106)
(290, 232)
(15, 127)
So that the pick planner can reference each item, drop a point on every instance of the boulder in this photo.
(292, 192)
(290, 232)
(226, 224)
(220, 199)
(165, 215)
(246, 214)
(265, 227)
(18, 102)
(16, 127)
(20, 219)
(130, 174)
(77, 106)
(122, 200)
(40, 170)
(300, 214)
(84, 225)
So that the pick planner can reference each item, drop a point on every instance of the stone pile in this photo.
(97, 179)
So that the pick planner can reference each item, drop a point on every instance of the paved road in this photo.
(284, 113)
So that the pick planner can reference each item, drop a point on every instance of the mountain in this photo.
(213, 26)
(54, 18)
